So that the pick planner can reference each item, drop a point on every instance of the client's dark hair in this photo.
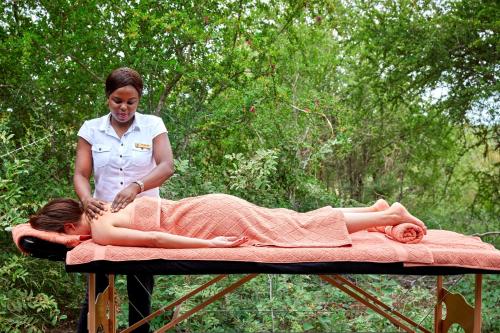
(55, 214)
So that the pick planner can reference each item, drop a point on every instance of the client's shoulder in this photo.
(109, 218)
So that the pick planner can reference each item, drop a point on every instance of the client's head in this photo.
(60, 215)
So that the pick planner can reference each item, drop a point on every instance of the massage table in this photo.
(440, 253)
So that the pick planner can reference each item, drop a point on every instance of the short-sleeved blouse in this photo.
(117, 162)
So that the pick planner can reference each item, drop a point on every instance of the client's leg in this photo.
(394, 215)
(378, 206)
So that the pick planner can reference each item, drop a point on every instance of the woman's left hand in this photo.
(124, 197)
(227, 241)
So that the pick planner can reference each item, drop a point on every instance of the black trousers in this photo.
(139, 288)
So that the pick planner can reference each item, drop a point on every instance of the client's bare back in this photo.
(121, 218)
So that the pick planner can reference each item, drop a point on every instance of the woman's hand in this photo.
(124, 197)
(93, 207)
(230, 241)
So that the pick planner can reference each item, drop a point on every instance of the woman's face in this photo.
(122, 104)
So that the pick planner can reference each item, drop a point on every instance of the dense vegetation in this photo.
(286, 103)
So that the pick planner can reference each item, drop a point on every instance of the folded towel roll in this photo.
(407, 233)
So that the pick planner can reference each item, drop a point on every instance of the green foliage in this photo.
(31, 173)
(291, 303)
(21, 308)
(251, 178)
(284, 103)
(189, 181)
(11, 192)
(31, 290)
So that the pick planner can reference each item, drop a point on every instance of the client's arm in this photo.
(111, 235)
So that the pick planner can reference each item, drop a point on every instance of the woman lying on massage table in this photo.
(218, 220)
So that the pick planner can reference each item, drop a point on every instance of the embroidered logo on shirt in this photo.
(142, 146)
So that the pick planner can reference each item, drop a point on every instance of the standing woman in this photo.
(129, 155)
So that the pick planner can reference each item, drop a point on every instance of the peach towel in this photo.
(438, 248)
(407, 233)
(212, 215)
(24, 230)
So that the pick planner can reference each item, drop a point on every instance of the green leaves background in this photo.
(294, 104)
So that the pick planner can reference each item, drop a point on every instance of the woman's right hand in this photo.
(93, 207)
(230, 241)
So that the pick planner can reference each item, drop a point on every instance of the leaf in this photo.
(307, 326)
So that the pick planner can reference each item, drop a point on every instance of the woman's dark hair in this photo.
(55, 214)
(122, 77)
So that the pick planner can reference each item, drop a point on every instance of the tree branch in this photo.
(489, 233)
(168, 88)
(170, 85)
(78, 61)
(320, 113)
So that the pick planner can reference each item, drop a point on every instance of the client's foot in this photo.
(380, 205)
(403, 216)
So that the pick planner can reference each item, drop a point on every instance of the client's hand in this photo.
(124, 197)
(223, 241)
(93, 207)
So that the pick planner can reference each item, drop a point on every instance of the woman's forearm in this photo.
(105, 234)
(158, 175)
(162, 154)
(82, 187)
(170, 241)
(83, 169)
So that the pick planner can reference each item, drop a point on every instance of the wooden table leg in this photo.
(478, 304)
(438, 310)
(111, 302)
(458, 310)
(91, 322)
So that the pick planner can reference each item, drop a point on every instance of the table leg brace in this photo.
(102, 314)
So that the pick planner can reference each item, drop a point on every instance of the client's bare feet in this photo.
(403, 216)
(380, 205)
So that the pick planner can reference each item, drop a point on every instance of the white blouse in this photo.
(117, 162)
